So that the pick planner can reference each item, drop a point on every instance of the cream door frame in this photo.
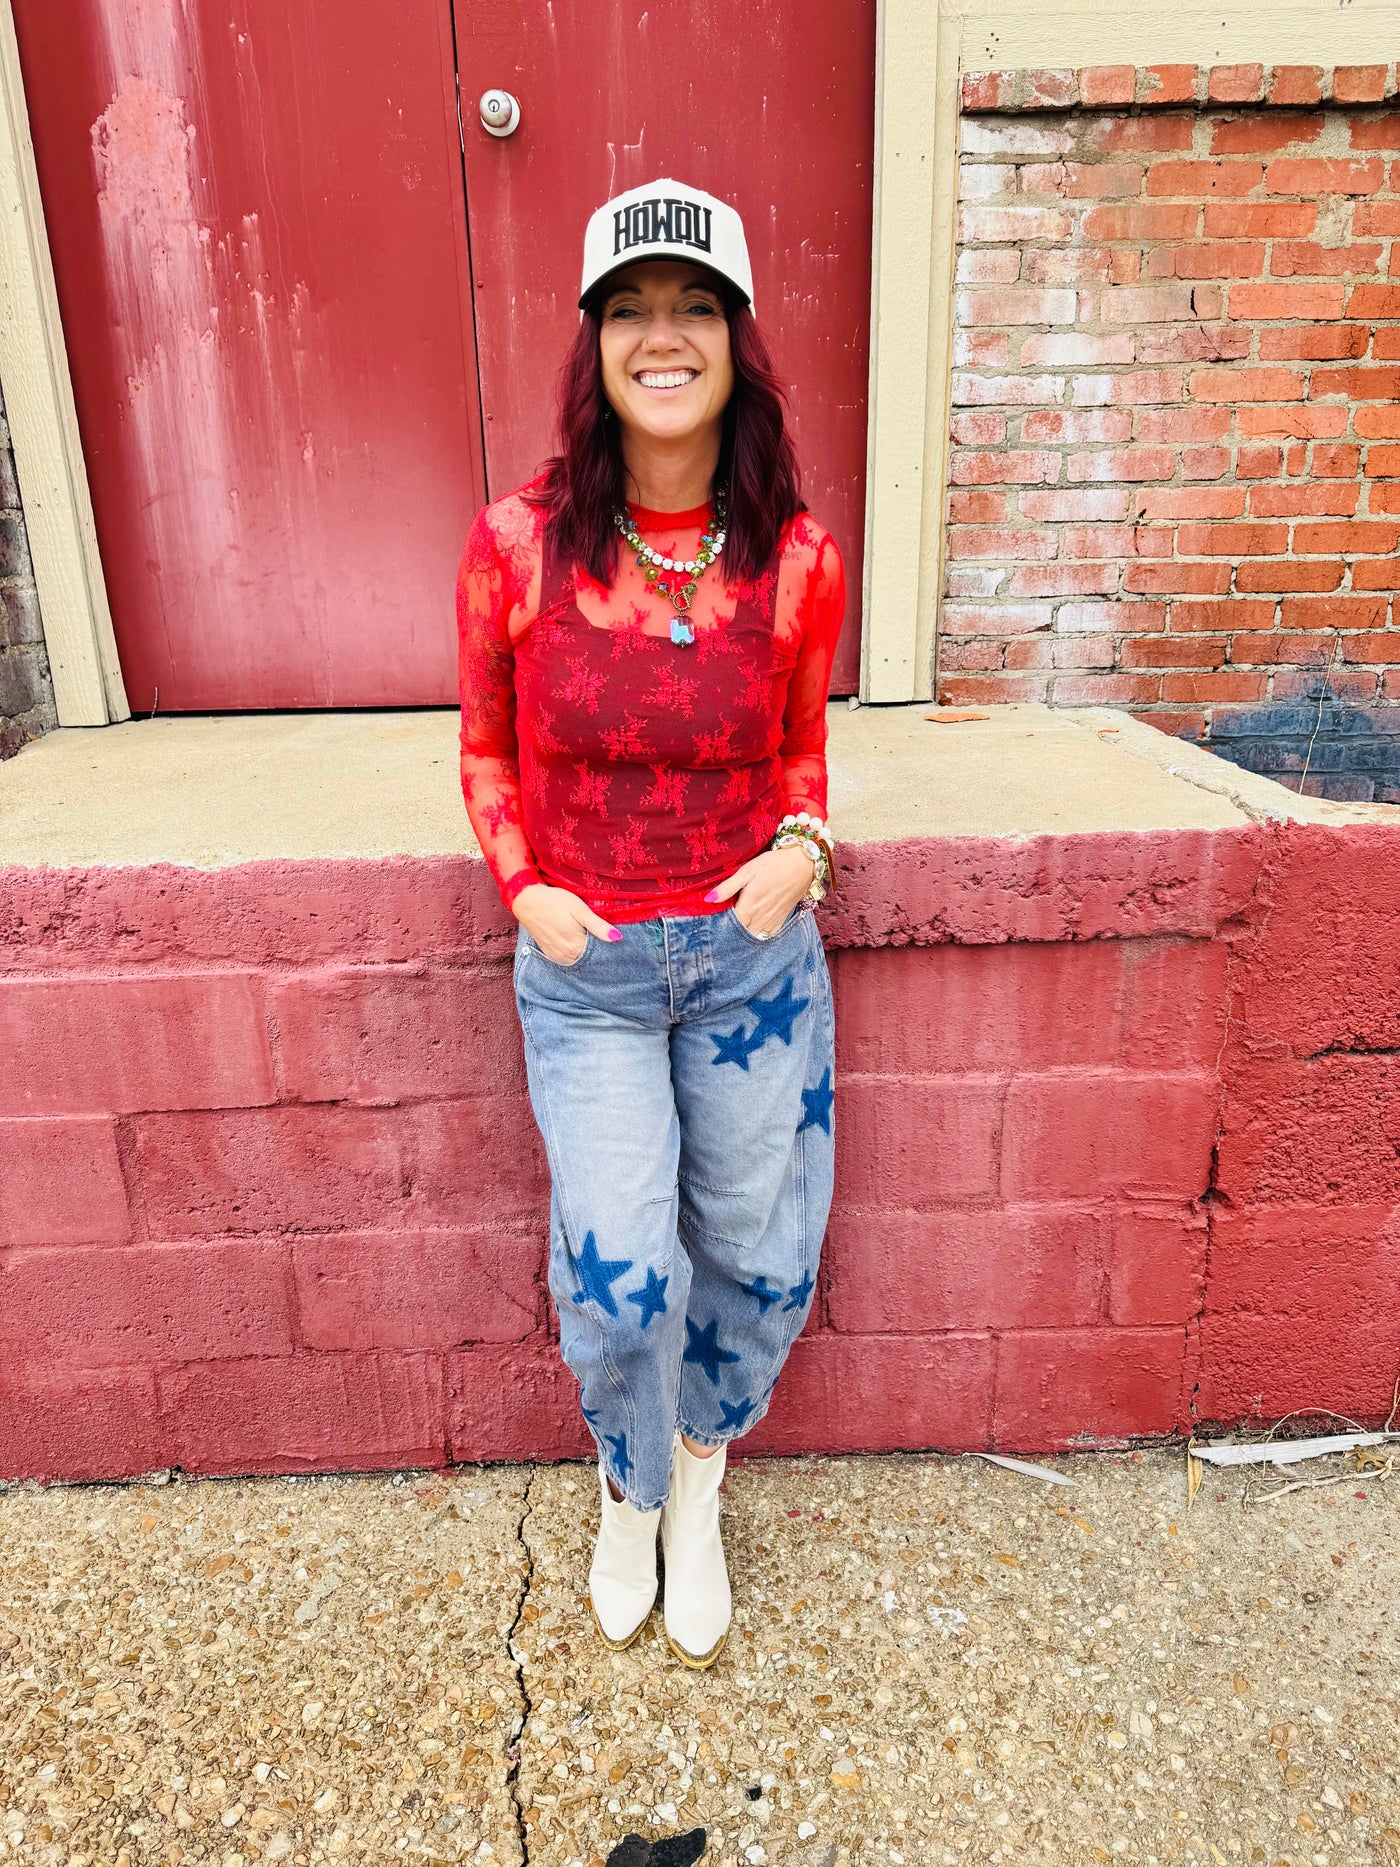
(921, 53)
(48, 449)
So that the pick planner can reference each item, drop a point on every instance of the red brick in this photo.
(1380, 647)
(918, 1273)
(998, 619)
(1234, 541)
(973, 691)
(1082, 180)
(1334, 612)
(1376, 133)
(989, 90)
(72, 1424)
(1206, 180)
(1065, 580)
(419, 1290)
(1122, 618)
(1305, 423)
(1105, 690)
(1075, 349)
(1204, 463)
(1385, 347)
(1315, 302)
(324, 1168)
(1097, 541)
(1291, 502)
(881, 1394)
(1200, 343)
(1156, 1268)
(1270, 650)
(312, 1413)
(1150, 135)
(1012, 221)
(1342, 684)
(1316, 175)
(1107, 1132)
(984, 430)
(1057, 1389)
(1073, 425)
(980, 506)
(84, 1045)
(1177, 725)
(1170, 84)
(1192, 502)
(1259, 220)
(1141, 221)
(1176, 579)
(1080, 265)
(1183, 424)
(1013, 306)
(1107, 84)
(1214, 688)
(1122, 463)
(1005, 466)
(1374, 301)
(1359, 84)
(1382, 462)
(1322, 342)
(1175, 651)
(1049, 88)
(1378, 574)
(145, 1304)
(1263, 136)
(1258, 463)
(981, 349)
(884, 1138)
(61, 1183)
(973, 391)
(1382, 217)
(1296, 84)
(1079, 505)
(1208, 259)
(1354, 536)
(1246, 385)
(1306, 259)
(993, 265)
(1159, 304)
(977, 657)
(1235, 84)
(1023, 546)
(1289, 576)
(1230, 615)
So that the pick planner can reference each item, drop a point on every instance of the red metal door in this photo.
(259, 233)
(770, 106)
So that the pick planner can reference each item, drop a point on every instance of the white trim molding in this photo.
(922, 50)
(82, 648)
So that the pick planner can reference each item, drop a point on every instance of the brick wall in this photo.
(271, 1196)
(1175, 465)
(26, 691)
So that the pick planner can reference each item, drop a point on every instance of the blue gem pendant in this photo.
(681, 633)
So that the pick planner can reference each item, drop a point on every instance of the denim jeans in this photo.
(682, 1082)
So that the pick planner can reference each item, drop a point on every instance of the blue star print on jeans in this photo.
(681, 1078)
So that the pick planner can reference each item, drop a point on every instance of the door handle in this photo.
(500, 113)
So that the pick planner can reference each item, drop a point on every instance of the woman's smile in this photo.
(666, 379)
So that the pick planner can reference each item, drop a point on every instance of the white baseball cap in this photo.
(666, 220)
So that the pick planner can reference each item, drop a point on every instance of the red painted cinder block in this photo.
(921, 1273)
(390, 1034)
(77, 1046)
(1258, 1368)
(916, 1141)
(307, 1412)
(880, 1394)
(326, 1168)
(1087, 1134)
(1156, 1266)
(79, 1423)
(61, 1183)
(420, 1289)
(1324, 1132)
(145, 1304)
(516, 1402)
(1057, 1389)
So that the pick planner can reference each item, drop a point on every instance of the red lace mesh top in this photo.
(600, 756)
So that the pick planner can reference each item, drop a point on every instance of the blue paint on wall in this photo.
(1350, 753)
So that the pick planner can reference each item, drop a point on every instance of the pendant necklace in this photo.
(654, 566)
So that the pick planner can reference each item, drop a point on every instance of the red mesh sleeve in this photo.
(486, 678)
(822, 606)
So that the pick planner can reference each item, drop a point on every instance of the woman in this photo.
(646, 638)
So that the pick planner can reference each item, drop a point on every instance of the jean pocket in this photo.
(794, 916)
(562, 965)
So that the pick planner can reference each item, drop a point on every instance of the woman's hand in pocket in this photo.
(558, 922)
(767, 889)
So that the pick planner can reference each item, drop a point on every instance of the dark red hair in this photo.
(584, 484)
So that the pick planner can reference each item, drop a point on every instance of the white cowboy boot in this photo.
(622, 1579)
(698, 1603)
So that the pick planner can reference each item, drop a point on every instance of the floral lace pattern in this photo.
(600, 756)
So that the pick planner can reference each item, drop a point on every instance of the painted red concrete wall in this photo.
(1119, 1149)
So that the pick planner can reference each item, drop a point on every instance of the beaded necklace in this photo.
(653, 565)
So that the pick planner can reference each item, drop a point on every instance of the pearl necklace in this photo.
(652, 564)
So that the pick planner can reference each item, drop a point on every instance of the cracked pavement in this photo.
(933, 1661)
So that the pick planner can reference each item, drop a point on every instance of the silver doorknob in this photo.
(500, 113)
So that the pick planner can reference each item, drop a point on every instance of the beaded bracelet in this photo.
(808, 833)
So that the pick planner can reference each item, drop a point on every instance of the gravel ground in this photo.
(933, 1661)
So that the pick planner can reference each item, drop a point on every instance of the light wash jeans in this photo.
(682, 1081)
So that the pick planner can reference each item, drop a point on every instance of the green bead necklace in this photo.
(654, 566)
